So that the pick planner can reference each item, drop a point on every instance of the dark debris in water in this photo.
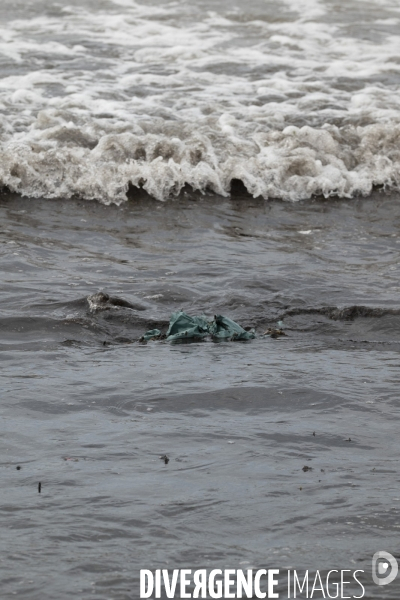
(165, 458)
(152, 334)
(274, 333)
(108, 314)
(103, 301)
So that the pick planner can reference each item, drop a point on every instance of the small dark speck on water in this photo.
(306, 468)
(314, 433)
(165, 458)
(18, 468)
(39, 489)
(349, 440)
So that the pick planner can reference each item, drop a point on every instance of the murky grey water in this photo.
(102, 99)
(87, 410)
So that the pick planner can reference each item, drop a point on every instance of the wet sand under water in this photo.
(87, 410)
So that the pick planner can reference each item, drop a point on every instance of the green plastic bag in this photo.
(184, 327)
(224, 328)
(150, 335)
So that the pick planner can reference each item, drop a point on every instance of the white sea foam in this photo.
(293, 99)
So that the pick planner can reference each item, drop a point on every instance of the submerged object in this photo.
(102, 301)
(224, 328)
(184, 327)
(152, 334)
(274, 333)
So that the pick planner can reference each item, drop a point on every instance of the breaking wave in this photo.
(287, 98)
(292, 164)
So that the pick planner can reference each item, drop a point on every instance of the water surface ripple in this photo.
(87, 410)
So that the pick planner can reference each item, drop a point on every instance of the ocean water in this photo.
(220, 158)
(291, 98)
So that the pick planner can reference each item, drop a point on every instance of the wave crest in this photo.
(293, 164)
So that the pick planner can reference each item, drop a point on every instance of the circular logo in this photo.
(381, 561)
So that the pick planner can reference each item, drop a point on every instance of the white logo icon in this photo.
(381, 561)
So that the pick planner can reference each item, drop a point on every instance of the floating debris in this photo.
(152, 334)
(185, 327)
(165, 458)
(274, 333)
(224, 328)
